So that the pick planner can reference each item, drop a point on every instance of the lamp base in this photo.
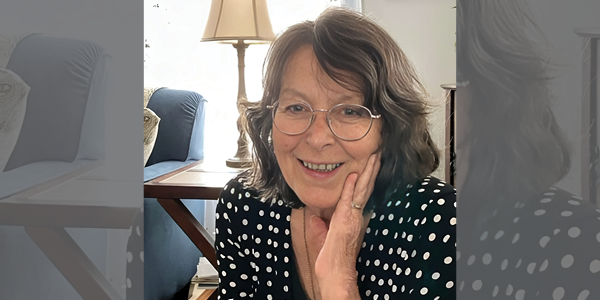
(238, 162)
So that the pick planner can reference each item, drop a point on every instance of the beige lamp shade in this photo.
(232, 20)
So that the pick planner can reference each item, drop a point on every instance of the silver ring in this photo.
(354, 205)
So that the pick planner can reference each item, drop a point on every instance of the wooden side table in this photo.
(449, 145)
(589, 150)
(202, 181)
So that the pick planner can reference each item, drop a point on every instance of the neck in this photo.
(324, 213)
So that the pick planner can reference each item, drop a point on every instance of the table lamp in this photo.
(239, 22)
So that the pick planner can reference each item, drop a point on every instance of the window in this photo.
(174, 57)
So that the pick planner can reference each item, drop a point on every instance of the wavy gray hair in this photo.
(358, 54)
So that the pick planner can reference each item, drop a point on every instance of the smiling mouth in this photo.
(321, 167)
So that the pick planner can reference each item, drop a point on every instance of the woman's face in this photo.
(305, 81)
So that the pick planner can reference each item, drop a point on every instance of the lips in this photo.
(320, 167)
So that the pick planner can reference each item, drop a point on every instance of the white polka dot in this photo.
(539, 212)
(499, 234)
(583, 295)
(432, 237)
(477, 284)
(515, 220)
(425, 255)
(424, 291)
(441, 201)
(407, 271)
(232, 284)
(380, 282)
(390, 217)
(503, 265)
(232, 266)
(509, 290)
(595, 266)
(544, 266)
(545, 200)
(447, 260)
(531, 268)
(495, 292)
(483, 236)
(142, 256)
(544, 241)
(446, 238)
(516, 238)
(435, 275)
(437, 218)
(518, 263)
(520, 295)
(137, 230)
(453, 221)
(423, 207)
(556, 231)
(436, 191)
(487, 259)
(558, 293)
(574, 232)
(129, 256)
(128, 283)
(471, 260)
(385, 232)
(417, 275)
(598, 237)
(566, 213)
(567, 261)
(449, 284)
(420, 190)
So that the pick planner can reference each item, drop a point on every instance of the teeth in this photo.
(321, 167)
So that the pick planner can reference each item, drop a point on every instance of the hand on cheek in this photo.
(340, 240)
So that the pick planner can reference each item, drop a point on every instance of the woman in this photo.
(520, 236)
(338, 203)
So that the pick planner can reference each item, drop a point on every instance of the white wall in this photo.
(425, 30)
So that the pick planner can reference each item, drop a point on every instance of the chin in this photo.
(319, 198)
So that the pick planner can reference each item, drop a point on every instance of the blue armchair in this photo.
(170, 258)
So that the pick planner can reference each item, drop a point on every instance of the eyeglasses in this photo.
(348, 122)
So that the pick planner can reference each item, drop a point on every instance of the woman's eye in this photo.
(296, 108)
(351, 112)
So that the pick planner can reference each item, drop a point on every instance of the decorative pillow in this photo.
(148, 94)
(13, 103)
(151, 121)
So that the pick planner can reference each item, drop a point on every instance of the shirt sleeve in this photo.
(235, 272)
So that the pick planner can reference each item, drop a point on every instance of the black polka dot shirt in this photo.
(546, 248)
(408, 251)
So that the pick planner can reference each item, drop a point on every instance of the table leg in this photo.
(73, 263)
(192, 228)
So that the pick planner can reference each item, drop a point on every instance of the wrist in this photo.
(338, 286)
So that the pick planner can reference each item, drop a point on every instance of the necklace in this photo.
(306, 248)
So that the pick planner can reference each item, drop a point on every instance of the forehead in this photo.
(304, 78)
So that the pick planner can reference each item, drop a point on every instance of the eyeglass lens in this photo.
(347, 121)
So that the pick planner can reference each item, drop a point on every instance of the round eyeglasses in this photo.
(348, 122)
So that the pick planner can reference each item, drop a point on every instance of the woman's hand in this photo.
(340, 242)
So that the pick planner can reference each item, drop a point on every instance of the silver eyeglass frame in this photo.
(312, 119)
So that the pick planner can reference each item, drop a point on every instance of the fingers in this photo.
(366, 182)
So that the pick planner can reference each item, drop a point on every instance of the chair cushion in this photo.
(181, 113)
(151, 122)
(60, 78)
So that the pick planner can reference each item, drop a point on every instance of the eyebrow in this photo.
(341, 99)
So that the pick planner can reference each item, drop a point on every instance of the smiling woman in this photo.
(339, 199)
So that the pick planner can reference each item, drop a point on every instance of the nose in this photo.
(318, 134)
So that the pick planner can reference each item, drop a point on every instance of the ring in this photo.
(354, 205)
